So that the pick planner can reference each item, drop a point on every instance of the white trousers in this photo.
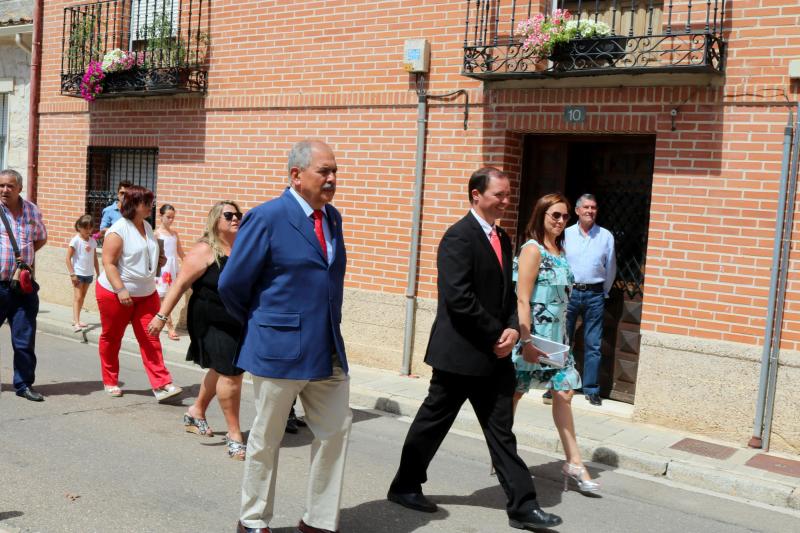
(326, 404)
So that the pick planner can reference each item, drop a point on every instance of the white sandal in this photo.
(114, 391)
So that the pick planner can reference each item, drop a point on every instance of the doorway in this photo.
(618, 170)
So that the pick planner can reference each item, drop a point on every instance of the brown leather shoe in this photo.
(302, 527)
(241, 528)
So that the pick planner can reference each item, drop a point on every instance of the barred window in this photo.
(3, 129)
(106, 167)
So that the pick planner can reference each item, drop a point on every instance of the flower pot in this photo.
(599, 52)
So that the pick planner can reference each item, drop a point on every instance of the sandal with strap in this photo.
(198, 426)
(236, 450)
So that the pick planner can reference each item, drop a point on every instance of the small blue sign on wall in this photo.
(575, 114)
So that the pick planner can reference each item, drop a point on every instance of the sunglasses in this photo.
(559, 216)
(228, 215)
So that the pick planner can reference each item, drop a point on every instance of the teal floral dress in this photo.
(549, 300)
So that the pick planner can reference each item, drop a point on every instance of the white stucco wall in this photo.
(15, 65)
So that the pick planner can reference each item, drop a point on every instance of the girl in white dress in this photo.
(82, 265)
(174, 253)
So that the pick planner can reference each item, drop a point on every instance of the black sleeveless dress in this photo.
(213, 332)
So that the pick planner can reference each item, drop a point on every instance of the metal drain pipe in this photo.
(780, 259)
(781, 293)
(413, 257)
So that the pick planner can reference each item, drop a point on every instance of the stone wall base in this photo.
(710, 388)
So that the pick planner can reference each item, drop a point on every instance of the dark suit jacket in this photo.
(278, 283)
(476, 300)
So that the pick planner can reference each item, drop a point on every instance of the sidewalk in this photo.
(607, 436)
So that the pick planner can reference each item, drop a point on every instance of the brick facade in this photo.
(281, 72)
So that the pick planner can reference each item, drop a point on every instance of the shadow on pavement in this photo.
(382, 516)
(4, 515)
(74, 388)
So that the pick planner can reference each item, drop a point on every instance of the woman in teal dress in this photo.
(543, 281)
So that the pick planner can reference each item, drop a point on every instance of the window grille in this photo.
(106, 167)
(153, 20)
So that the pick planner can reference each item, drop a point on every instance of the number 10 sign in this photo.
(575, 114)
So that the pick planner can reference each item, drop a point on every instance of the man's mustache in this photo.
(329, 187)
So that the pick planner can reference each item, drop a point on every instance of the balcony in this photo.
(165, 42)
(637, 37)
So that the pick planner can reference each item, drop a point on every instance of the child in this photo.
(173, 250)
(80, 258)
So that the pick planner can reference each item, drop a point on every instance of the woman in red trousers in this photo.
(126, 294)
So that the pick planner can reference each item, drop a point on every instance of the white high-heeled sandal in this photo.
(574, 472)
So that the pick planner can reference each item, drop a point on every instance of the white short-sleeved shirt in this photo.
(138, 261)
(83, 255)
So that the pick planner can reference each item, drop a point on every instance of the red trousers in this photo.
(114, 318)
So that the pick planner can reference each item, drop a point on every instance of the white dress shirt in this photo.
(308, 210)
(487, 228)
(591, 256)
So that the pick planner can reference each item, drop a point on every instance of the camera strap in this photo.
(10, 233)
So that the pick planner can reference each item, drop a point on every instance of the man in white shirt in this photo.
(590, 253)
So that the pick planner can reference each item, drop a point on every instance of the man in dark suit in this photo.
(285, 281)
(474, 331)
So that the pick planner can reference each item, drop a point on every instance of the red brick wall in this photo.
(283, 71)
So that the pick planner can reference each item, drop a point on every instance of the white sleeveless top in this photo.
(138, 261)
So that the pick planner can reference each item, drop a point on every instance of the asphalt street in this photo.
(84, 462)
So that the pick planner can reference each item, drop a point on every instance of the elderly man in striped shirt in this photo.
(19, 309)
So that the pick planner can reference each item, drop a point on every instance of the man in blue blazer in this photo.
(284, 281)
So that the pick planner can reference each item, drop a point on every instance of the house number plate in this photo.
(575, 114)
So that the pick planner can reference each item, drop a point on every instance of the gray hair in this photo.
(585, 197)
(13, 173)
(300, 155)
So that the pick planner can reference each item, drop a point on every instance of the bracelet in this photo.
(117, 291)
(526, 341)
(161, 317)
(73, 275)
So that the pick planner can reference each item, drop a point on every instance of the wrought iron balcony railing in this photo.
(165, 43)
(638, 36)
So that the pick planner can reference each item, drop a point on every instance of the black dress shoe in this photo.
(535, 518)
(30, 394)
(412, 500)
(240, 528)
(299, 422)
(302, 527)
(594, 399)
(291, 424)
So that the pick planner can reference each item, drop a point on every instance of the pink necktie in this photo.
(318, 231)
(495, 242)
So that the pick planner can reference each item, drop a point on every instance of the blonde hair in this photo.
(211, 233)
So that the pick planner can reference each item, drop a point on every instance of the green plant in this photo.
(85, 42)
(162, 46)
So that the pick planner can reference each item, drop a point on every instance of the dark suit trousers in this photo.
(491, 398)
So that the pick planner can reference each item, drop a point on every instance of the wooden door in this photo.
(618, 170)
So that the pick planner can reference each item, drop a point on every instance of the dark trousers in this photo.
(20, 311)
(491, 398)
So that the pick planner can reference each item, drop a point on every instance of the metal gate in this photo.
(106, 167)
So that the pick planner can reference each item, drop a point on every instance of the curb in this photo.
(696, 475)
(716, 480)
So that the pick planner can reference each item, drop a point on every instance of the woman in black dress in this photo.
(214, 334)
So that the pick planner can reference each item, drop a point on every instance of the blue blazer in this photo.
(278, 283)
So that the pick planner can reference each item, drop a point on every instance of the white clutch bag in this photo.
(557, 353)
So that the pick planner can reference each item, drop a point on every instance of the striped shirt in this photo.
(27, 229)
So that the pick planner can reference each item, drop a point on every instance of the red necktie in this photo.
(495, 242)
(318, 230)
